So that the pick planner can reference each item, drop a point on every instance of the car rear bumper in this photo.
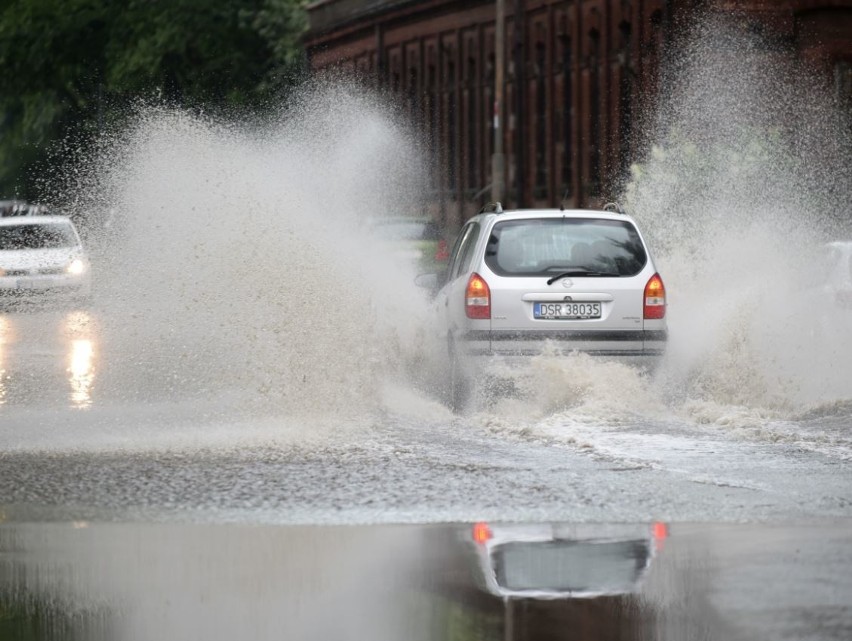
(643, 348)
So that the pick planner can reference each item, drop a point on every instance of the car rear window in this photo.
(547, 246)
(37, 236)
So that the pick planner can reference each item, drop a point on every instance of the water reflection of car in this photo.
(416, 240)
(838, 273)
(42, 256)
(558, 561)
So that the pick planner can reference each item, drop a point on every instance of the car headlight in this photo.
(76, 267)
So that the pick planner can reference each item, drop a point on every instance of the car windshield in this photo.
(37, 236)
(407, 230)
(549, 246)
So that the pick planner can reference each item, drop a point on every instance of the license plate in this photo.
(569, 311)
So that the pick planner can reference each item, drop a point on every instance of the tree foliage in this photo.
(69, 67)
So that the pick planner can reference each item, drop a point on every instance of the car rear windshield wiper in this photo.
(581, 271)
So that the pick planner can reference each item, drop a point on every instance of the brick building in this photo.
(578, 74)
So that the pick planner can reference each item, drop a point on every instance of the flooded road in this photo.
(246, 434)
(97, 581)
(77, 442)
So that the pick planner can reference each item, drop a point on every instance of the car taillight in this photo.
(655, 298)
(477, 298)
(442, 251)
(481, 532)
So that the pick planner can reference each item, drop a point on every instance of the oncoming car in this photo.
(527, 282)
(42, 257)
(416, 240)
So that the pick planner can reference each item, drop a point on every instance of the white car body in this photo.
(42, 257)
(591, 268)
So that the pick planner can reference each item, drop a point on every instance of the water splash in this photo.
(237, 261)
(234, 257)
(750, 174)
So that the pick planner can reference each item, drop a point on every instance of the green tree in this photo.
(71, 67)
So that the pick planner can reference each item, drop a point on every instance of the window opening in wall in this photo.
(472, 127)
(625, 111)
(452, 128)
(594, 113)
(656, 31)
(487, 109)
(540, 121)
(655, 47)
(567, 118)
(432, 121)
(843, 84)
(413, 94)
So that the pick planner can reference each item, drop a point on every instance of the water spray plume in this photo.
(750, 173)
(236, 257)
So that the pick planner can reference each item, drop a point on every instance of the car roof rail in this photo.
(492, 208)
(614, 207)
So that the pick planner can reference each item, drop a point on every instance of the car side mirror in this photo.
(427, 281)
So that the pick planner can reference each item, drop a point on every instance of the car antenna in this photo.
(492, 208)
(562, 202)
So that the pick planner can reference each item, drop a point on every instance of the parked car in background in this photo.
(42, 257)
(837, 282)
(416, 240)
(524, 282)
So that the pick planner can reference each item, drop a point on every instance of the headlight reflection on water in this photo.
(4, 329)
(81, 366)
(82, 373)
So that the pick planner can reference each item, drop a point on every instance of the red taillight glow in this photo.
(661, 533)
(477, 298)
(655, 298)
(481, 533)
(442, 251)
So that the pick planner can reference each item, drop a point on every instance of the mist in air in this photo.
(749, 175)
(237, 258)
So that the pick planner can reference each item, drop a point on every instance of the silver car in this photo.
(524, 282)
(42, 257)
